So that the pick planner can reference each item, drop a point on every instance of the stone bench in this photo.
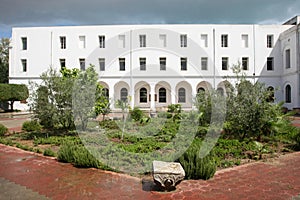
(167, 174)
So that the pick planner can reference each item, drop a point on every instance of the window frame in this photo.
(182, 95)
(204, 66)
(288, 58)
(24, 65)
(143, 95)
(225, 59)
(270, 60)
(183, 40)
(143, 63)
(82, 64)
(24, 43)
(102, 64)
(163, 63)
(224, 40)
(162, 95)
(183, 63)
(63, 42)
(143, 40)
(288, 93)
(62, 62)
(101, 41)
(245, 60)
(122, 64)
(124, 97)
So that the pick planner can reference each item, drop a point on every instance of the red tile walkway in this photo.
(277, 180)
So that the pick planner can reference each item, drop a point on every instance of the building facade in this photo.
(153, 66)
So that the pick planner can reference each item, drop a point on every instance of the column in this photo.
(152, 100)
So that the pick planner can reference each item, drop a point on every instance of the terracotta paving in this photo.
(47, 177)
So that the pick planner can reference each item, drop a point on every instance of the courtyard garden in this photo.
(247, 127)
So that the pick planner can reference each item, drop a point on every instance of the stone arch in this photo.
(204, 86)
(225, 87)
(185, 87)
(117, 90)
(141, 88)
(159, 89)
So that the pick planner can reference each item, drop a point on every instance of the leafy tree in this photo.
(4, 59)
(12, 93)
(102, 105)
(124, 106)
(52, 100)
(84, 96)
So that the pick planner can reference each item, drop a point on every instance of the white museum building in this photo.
(157, 65)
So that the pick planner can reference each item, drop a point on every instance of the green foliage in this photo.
(203, 104)
(13, 92)
(4, 59)
(136, 114)
(102, 105)
(84, 96)
(78, 155)
(175, 111)
(49, 152)
(196, 167)
(3, 130)
(32, 125)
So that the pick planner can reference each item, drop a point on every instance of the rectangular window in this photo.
(224, 40)
(121, 41)
(101, 41)
(162, 63)
(204, 42)
(82, 42)
(122, 64)
(245, 63)
(62, 42)
(62, 62)
(102, 64)
(183, 40)
(245, 41)
(24, 43)
(204, 61)
(24, 65)
(143, 64)
(270, 63)
(287, 58)
(270, 41)
(82, 64)
(183, 64)
(142, 40)
(163, 40)
(225, 63)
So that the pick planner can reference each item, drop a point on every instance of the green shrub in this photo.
(196, 167)
(108, 124)
(136, 114)
(78, 155)
(30, 126)
(3, 130)
(49, 152)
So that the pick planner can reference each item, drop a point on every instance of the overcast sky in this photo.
(19, 13)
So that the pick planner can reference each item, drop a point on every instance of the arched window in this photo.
(124, 94)
(200, 89)
(220, 91)
(181, 95)
(288, 94)
(105, 92)
(162, 95)
(271, 97)
(143, 95)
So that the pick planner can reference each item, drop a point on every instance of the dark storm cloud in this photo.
(84, 12)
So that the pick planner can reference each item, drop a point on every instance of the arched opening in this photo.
(105, 92)
(288, 94)
(181, 95)
(124, 94)
(162, 95)
(143, 95)
(200, 89)
(220, 91)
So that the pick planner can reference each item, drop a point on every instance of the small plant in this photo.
(49, 152)
(196, 167)
(30, 126)
(136, 114)
(3, 130)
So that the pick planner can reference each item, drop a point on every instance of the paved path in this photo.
(36, 177)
